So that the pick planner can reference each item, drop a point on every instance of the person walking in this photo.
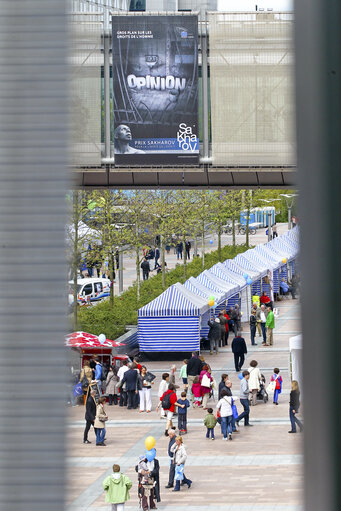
(239, 351)
(278, 385)
(214, 335)
(182, 413)
(157, 257)
(225, 384)
(227, 328)
(194, 367)
(171, 436)
(100, 420)
(210, 422)
(145, 389)
(257, 308)
(145, 266)
(130, 379)
(183, 374)
(168, 401)
(254, 380)
(188, 247)
(122, 388)
(98, 374)
(224, 406)
(179, 249)
(116, 487)
(294, 405)
(111, 382)
(146, 482)
(237, 319)
(205, 380)
(163, 387)
(244, 399)
(262, 316)
(180, 456)
(223, 323)
(270, 326)
(253, 327)
(90, 414)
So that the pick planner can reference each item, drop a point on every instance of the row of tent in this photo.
(177, 319)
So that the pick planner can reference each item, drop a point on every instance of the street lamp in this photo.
(269, 201)
(289, 199)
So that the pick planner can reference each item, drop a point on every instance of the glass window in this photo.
(87, 290)
(98, 287)
(137, 5)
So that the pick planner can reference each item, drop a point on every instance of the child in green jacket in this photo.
(210, 422)
(117, 488)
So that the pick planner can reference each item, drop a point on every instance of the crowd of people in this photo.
(194, 373)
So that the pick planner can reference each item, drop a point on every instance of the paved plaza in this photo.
(260, 470)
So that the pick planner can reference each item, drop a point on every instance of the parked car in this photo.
(90, 290)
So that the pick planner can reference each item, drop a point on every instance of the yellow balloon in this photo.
(211, 303)
(284, 260)
(149, 442)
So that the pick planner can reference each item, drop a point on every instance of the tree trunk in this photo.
(203, 245)
(247, 226)
(233, 231)
(138, 282)
(163, 266)
(185, 255)
(111, 274)
(219, 241)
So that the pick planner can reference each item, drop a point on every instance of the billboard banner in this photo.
(155, 90)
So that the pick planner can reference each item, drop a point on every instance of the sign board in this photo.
(94, 386)
(155, 90)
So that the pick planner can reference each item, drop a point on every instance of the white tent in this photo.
(296, 351)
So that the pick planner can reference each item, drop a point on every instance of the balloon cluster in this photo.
(248, 279)
(151, 451)
(211, 302)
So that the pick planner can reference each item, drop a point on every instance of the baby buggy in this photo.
(262, 394)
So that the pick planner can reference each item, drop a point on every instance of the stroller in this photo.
(262, 394)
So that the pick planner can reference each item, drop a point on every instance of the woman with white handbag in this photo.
(206, 380)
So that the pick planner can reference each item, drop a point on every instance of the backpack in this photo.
(166, 402)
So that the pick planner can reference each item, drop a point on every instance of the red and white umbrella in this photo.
(85, 340)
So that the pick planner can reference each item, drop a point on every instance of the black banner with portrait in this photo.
(155, 90)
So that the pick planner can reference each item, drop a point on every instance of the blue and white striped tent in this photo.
(213, 282)
(195, 287)
(251, 265)
(171, 322)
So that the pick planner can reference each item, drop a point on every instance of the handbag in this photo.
(77, 390)
(179, 472)
(234, 409)
(272, 386)
(205, 382)
(84, 382)
(103, 418)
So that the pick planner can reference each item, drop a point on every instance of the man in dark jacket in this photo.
(239, 350)
(171, 435)
(214, 334)
(90, 414)
(194, 367)
(145, 269)
(130, 379)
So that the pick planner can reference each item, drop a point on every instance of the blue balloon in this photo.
(214, 306)
(240, 376)
(211, 242)
(150, 455)
(249, 282)
(245, 276)
(146, 230)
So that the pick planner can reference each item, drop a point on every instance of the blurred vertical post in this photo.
(318, 86)
(33, 159)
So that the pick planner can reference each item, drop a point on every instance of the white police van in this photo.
(90, 290)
